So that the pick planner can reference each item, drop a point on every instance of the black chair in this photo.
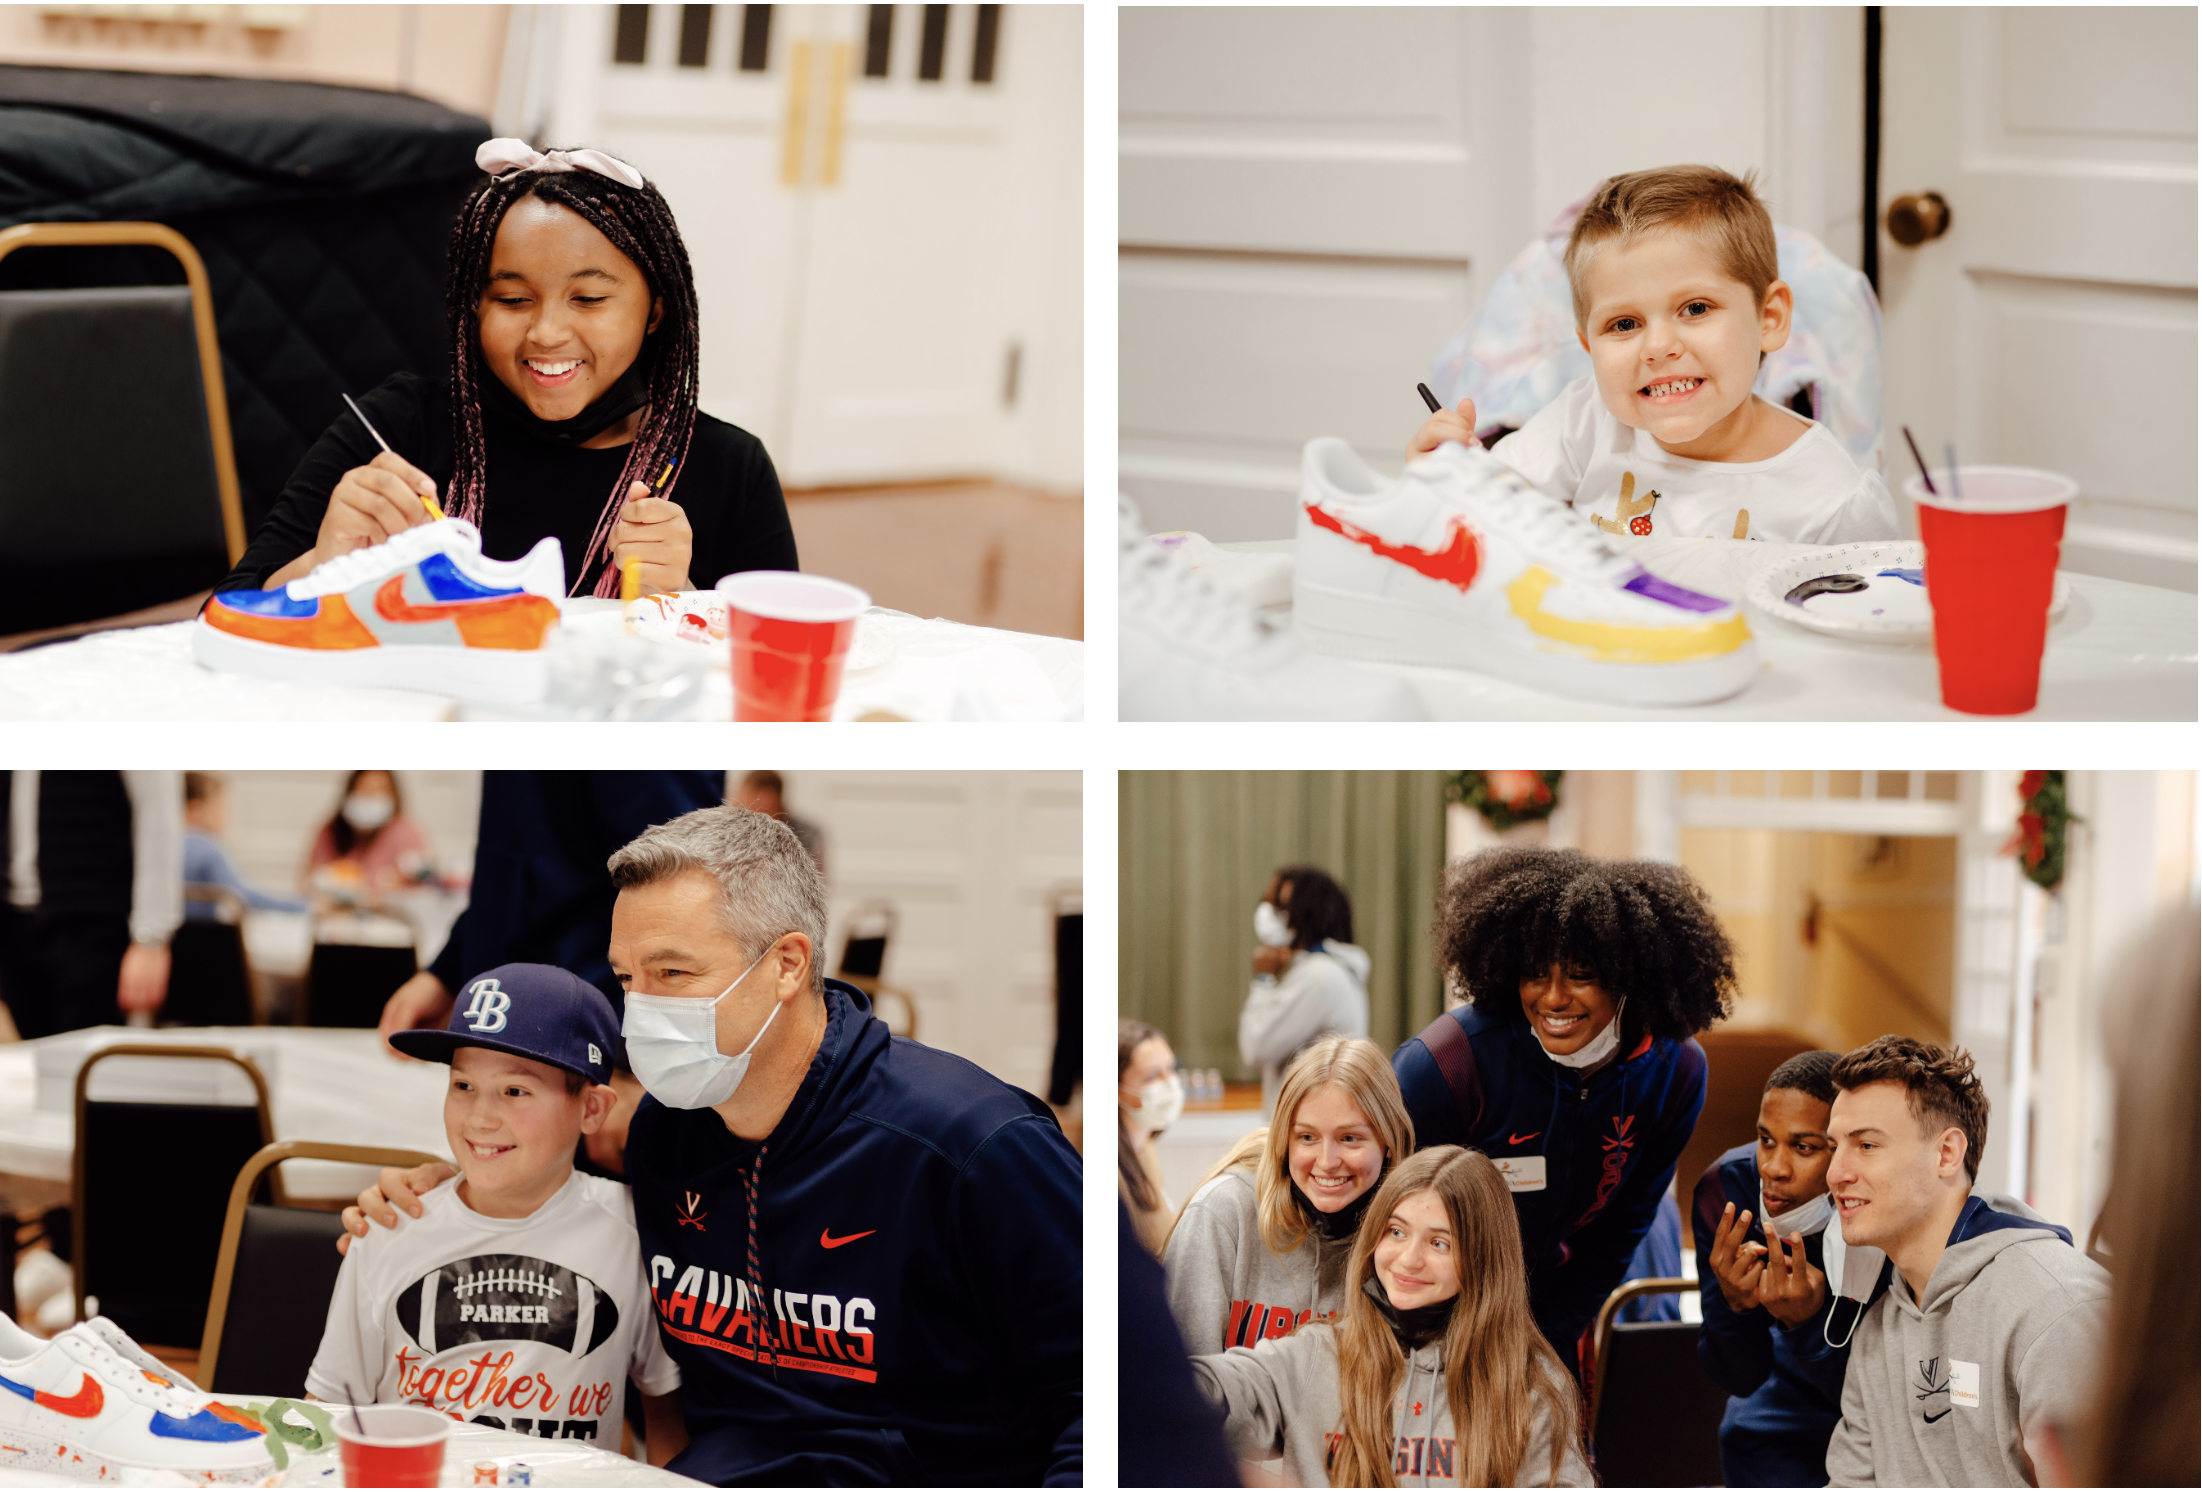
(140, 1173)
(1654, 1412)
(209, 974)
(114, 440)
(276, 1273)
(347, 984)
(864, 950)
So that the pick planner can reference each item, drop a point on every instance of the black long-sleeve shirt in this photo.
(726, 486)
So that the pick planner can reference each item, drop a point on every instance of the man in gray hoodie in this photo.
(1987, 1320)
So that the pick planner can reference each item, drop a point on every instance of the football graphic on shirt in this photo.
(504, 1298)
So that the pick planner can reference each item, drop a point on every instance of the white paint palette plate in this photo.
(1875, 591)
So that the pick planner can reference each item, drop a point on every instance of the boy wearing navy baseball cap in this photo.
(518, 1297)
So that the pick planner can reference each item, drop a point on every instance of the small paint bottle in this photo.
(519, 1474)
(485, 1473)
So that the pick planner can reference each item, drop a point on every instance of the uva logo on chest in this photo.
(504, 1298)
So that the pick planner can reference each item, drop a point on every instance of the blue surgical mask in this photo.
(673, 1046)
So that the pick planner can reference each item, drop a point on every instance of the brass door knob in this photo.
(1914, 220)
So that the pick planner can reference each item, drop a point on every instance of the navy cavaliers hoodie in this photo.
(1607, 1144)
(887, 1290)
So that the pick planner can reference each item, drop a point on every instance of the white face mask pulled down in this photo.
(1595, 1050)
(673, 1046)
(1160, 1104)
(1799, 1222)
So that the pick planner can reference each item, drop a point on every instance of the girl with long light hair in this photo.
(1436, 1374)
(1263, 1245)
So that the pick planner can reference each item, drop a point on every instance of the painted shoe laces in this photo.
(1159, 590)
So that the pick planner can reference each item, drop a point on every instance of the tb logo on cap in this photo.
(485, 1010)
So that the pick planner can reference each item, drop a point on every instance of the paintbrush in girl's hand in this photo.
(426, 501)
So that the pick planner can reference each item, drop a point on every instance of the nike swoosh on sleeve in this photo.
(826, 1240)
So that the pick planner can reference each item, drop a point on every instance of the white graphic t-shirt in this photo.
(1813, 493)
(532, 1324)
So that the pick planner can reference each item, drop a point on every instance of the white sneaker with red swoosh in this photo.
(1462, 564)
(93, 1406)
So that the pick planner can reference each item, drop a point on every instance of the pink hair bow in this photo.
(498, 157)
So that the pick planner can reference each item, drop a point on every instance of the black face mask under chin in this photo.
(1334, 1225)
(1417, 1326)
(628, 393)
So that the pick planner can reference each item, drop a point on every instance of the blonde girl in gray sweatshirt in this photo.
(1436, 1375)
(1263, 1243)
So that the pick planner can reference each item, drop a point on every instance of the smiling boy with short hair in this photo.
(1678, 300)
(517, 1299)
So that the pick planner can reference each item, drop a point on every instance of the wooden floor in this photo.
(977, 552)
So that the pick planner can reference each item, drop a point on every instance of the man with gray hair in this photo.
(865, 1254)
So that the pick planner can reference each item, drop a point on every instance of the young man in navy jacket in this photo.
(1572, 1065)
(865, 1255)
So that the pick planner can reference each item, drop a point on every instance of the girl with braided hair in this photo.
(1571, 1065)
(567, 409)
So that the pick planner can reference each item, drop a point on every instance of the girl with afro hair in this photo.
(1571, 1064)
(566, 409)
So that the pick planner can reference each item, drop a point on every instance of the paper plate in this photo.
(1875, 591)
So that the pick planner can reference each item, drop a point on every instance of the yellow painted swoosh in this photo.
(1614, 644)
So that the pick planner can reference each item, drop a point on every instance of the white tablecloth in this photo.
(2121, 652)
(148, 673)
(341, 1087)
(551, 1463)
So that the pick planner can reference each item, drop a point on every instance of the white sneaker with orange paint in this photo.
(1460, 563)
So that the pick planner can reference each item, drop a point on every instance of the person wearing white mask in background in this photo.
(367, 848)
(1766, 1337)
(865, 1254)
(1149, 1097)
(1310, 981)
(1571, 1065)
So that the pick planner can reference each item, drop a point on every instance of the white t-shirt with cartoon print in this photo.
(1813, 493)
(531, 1324)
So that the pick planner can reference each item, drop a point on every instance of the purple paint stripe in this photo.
(1653, 588)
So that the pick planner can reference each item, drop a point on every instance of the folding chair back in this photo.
(209, 974)
(1655, 1414)
(347, 984)
(111, 407)
(274, 1277)
(147, 1227)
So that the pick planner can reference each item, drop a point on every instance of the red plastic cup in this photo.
(791, 634)
(1992, 543)
(402, 1445)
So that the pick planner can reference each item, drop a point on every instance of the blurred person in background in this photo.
(1149, 1098)
(766, 793)
(1436, 1370)
(1764, 1337)
(1571, 1065)
(367, 848)
(206, 863)
(2143, 1425)
(1167, 1434)
(1262, 1246)
(1309, 979)
(94, 893)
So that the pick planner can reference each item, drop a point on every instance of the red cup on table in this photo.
(391, 1445)
(1992, 537)
(791, 634)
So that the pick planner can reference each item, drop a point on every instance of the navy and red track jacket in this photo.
(918, 1241)
(1609, 1142)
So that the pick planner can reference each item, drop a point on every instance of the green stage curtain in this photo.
(1195, 852)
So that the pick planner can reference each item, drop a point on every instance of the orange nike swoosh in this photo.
(826, 1240)
(1523, 1139)
(391, 603)
(86, 1402)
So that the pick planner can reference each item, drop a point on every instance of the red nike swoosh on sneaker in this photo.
(1455, 563)
(1523, 1139)
(391, 603)
(826, 1240)
(85, 1403)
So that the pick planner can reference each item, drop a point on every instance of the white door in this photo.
(1299, 212)
(2053, 324)
(848, 181)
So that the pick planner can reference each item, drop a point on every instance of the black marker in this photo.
(1428, 398)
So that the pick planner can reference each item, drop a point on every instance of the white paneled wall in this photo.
(274, 816)
(1313, 199)
(972, 862)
